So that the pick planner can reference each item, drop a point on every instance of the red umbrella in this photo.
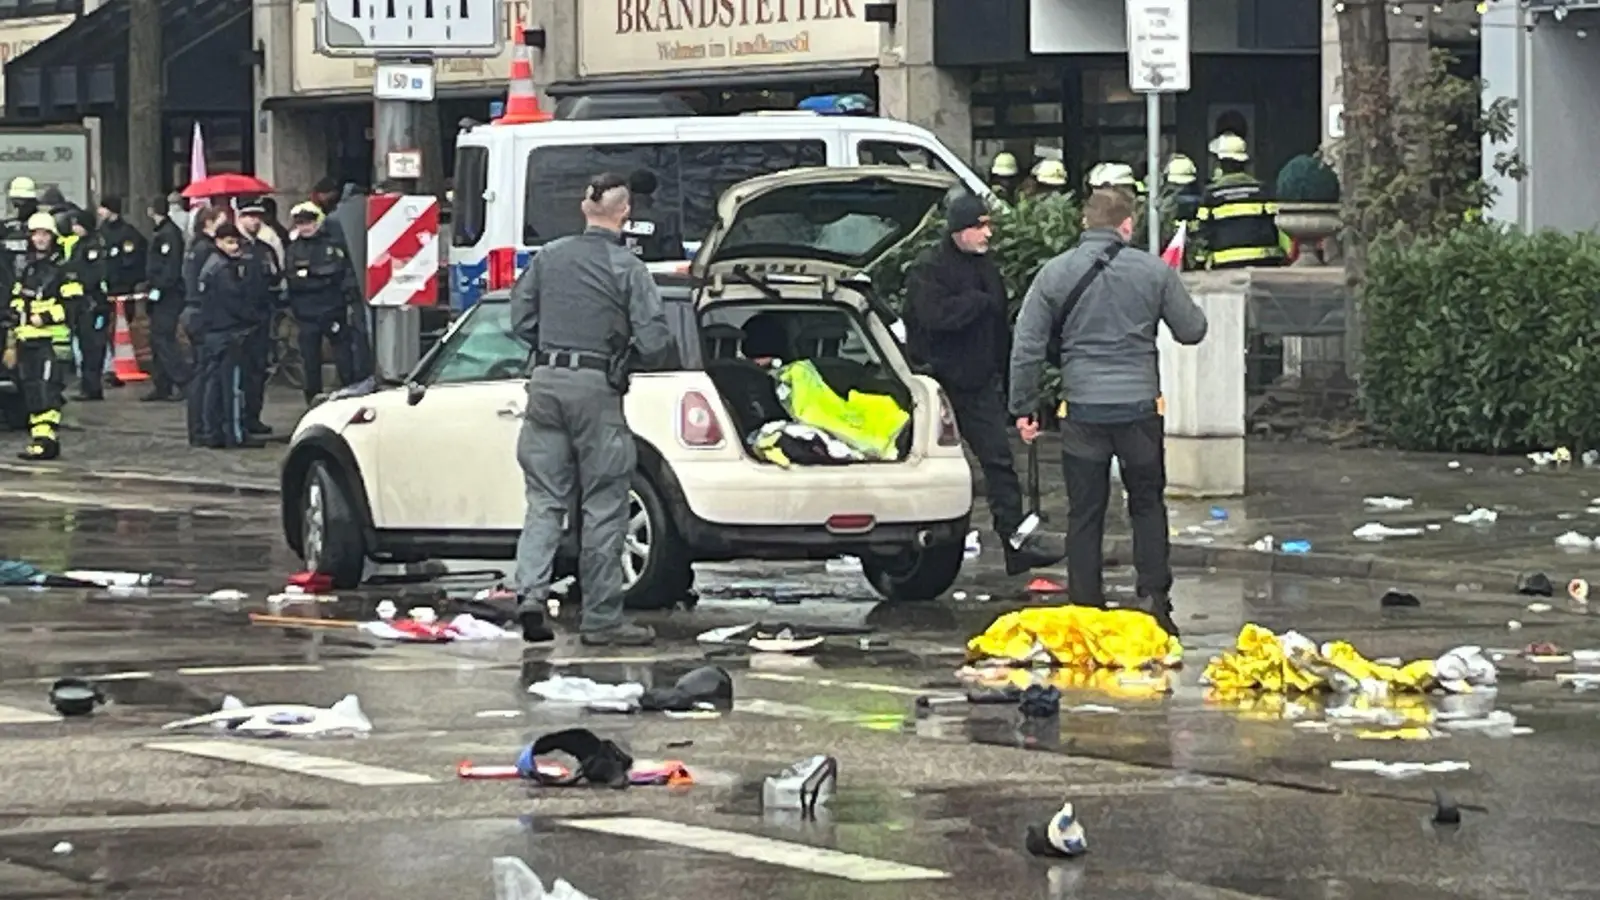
(226, 185)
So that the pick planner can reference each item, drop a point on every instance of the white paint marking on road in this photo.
(873, 686)
(109, 676)
(247, 670)
(343, 770)
(423, 665)
(623, 660)
(739, 845)
(11, 715)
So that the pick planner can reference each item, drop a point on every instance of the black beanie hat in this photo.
(966, 211)
(114, 204)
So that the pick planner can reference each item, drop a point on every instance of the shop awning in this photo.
(364, 98)
(694, 81)
(81, 70)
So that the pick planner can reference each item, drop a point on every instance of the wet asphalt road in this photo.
(1180, 798)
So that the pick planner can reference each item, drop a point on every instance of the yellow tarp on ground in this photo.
(1292, 663)
(1079, 637)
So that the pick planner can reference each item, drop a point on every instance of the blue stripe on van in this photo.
(468, 280)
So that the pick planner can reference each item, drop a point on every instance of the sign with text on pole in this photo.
(1158, 63)
(410, 28)
(403, 81)
(402, 250)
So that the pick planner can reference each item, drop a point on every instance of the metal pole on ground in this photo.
(1158, 63)
(1152, 178)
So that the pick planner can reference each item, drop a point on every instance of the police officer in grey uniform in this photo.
(589, 308)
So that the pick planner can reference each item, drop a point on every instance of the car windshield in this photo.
(480, 347)
(852, 223)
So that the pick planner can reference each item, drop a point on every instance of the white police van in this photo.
(519, 186)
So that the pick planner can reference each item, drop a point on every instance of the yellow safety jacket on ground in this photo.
(870, 423)
(37, 300)
(1238, 224)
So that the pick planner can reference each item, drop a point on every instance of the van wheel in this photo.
(917, 577)
(656, 569)
(331, 542)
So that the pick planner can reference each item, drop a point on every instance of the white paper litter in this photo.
(724, 635)
(513, 880)
(1387, 503)
(568, 689)
(844, 565)
(1574, 541)
(228, 595)
(1398, 769)
(1539, 607)
(1376, 531)
(1478, 516)
(283, 719)
(974, 545)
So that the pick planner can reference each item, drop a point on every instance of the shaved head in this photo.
(608, 202)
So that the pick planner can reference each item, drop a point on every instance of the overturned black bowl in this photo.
(75, 697)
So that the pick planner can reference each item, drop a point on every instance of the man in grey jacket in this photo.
(582, 302)
(1102, 301)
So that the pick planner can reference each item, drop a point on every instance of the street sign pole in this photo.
(396, 157)
(1158, 63)
(404, 39)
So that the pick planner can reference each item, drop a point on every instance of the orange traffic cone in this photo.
(123, 362)
(522, 104)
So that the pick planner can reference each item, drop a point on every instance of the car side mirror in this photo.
(414, 392)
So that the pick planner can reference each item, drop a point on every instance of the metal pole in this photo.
(396, 330)
(1152, 178)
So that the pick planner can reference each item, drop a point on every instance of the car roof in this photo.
(712, 126)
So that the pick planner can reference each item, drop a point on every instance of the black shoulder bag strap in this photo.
(1101, 261)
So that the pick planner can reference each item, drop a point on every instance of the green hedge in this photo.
(1487, 340)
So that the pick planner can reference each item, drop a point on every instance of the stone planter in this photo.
(1312, 225)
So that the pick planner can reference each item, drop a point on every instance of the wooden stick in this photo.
(302, 621)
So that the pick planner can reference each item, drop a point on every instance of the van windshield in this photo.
(687, 179)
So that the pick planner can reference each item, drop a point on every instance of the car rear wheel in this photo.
(331, 542)
(918, 576)
(656, 569)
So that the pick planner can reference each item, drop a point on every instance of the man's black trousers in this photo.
(1086, 451)
(981, 416)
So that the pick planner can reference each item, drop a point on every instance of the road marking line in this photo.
(829, 682)
(246, 670)
(299, 763)
(11, 715)
(739, 845)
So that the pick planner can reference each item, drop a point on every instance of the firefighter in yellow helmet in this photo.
(1181, 188)
(1237, 222)
(36, 316)
(1004, 176)
(1049, 176)
(1114, 175)
(24, 198)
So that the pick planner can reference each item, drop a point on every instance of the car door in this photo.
(448, 460)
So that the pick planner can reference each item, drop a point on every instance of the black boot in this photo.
(1039, 550)
(1158, 605)
(534, 628)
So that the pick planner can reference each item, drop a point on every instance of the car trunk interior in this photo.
(740, 341)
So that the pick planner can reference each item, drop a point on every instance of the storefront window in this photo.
(1108, 102)
(690, 177)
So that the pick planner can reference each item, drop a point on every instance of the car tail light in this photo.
(502, 268)
(949, 434)
(851, 522)
(697, 422)
(362, 416)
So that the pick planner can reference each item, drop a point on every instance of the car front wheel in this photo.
(331, 542)
(656, 569)
(918, 576)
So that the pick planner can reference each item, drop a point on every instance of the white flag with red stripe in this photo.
(402, 250)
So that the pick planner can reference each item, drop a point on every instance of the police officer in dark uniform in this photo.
(265, 280)
(651, 232)
(89, 316)
(202, 247)
(322, 289)
(589, 308)
(35, 316)
(227, 315)
(164, 305)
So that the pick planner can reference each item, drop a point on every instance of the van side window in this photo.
(689, 177)
(896, 153)
(468, 209)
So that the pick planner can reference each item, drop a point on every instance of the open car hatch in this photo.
(818, 222)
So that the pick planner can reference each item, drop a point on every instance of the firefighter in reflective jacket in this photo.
(37, 315)
(1236, 220)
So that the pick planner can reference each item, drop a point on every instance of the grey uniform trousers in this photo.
(575, 444)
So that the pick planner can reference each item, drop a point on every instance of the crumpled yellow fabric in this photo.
(1292, 664)
(1079, 637)
(1121, 684)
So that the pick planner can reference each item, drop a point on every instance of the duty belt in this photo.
(572, 359)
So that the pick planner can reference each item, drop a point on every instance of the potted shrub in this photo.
(1308, 206)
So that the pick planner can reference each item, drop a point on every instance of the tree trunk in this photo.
(146, 73)
(1364, 52)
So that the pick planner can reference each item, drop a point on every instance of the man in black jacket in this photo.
(957, 326)
(164, 301)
